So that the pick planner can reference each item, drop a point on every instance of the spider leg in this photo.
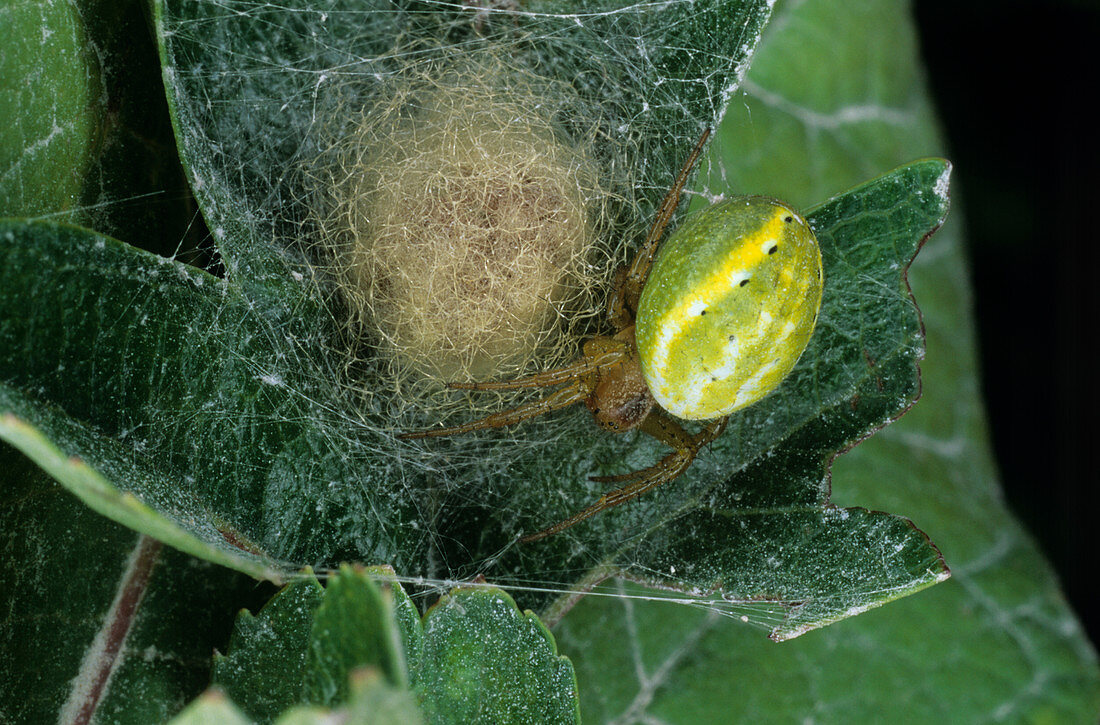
(624, 303)
(601, 354)
(582, 367)
(686, 448)
(561, 398)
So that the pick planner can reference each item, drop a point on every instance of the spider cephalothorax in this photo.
(706, 324)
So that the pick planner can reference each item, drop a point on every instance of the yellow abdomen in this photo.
(730, 304)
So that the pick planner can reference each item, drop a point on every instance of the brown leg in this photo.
(601, 353)
(628, 289)
(666, 430)
(581, 368)
(561, 398)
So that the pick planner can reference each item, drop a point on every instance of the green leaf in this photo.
(834, 94)
(266, 664)
(373, 702)
(236, 157)
(110, 344)
(252, 442)
(87, 137)
(212, 707)
(51, 106)
(768, 533)
(484, 661)
(100, 495)
(475, 657)
(353, 627)
(67, 626)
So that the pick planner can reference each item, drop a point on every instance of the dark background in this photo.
(1017, 86)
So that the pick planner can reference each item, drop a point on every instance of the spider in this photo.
(693, 339)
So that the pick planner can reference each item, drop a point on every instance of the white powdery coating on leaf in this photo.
(943, 184)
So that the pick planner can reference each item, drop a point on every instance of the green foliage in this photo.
(51, 107)
(265, 665)
(233, 389)
(65, 564)
(474, 658)
(212, 707)
(779, 456)
(119, 404)
(218, 416)
(835, 93)
(372, 702)
(353, 627)
(770, 533)
(484, 661)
